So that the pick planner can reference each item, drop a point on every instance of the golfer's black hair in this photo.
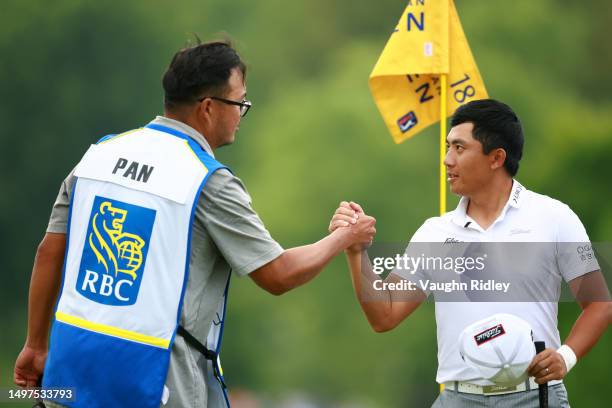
(495, 126)
(200, 70)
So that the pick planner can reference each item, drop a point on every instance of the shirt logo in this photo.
(517, 231)
(407, 122)
(115, 252)
(451, 240)
(517, 193)
(489, 334)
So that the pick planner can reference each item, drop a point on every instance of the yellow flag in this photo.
(405, 83)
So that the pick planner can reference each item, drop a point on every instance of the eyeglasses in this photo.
(244, 105)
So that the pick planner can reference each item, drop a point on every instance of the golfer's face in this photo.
(467, 167)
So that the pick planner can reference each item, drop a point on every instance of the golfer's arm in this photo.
(382, 308)
(298, 265)
(592, 294)
(44, 287)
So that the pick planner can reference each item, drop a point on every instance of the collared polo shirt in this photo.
(526, 217)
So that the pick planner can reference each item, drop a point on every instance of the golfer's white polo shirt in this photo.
(526, 217)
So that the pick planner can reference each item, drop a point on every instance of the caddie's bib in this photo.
(126, 267)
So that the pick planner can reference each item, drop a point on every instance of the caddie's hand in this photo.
(346, 214)
(547, 366)
(29, 366)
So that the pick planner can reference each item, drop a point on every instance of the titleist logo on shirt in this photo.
(451, 240)
(489, 334)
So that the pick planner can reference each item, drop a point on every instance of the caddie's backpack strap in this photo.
(208, 354)
(195, 343)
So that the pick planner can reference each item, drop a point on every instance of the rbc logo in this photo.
(115, 252)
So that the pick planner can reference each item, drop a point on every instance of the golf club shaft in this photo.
(542, 388)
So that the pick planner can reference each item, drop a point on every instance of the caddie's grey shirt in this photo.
(227, 235)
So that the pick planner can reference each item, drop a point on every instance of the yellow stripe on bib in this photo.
(112, 331)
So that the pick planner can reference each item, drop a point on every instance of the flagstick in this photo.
(442, 153)
(442, 143)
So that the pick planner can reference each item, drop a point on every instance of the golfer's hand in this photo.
(360, 227)
(546, 366)
(29, 366)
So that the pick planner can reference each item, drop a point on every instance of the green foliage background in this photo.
(72, 71)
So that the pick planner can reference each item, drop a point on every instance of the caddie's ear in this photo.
(205, 108)
(497, 158)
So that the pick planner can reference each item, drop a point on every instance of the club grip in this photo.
(542, 388)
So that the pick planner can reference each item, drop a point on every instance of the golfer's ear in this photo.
(497, 158)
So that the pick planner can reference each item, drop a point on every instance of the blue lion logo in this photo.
(115, 251)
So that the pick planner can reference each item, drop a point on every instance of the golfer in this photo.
(485, 145)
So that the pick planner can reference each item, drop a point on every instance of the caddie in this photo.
(485, 145)
(133, 273)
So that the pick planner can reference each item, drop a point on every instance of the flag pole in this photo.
(442, 153)
(442, 143)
